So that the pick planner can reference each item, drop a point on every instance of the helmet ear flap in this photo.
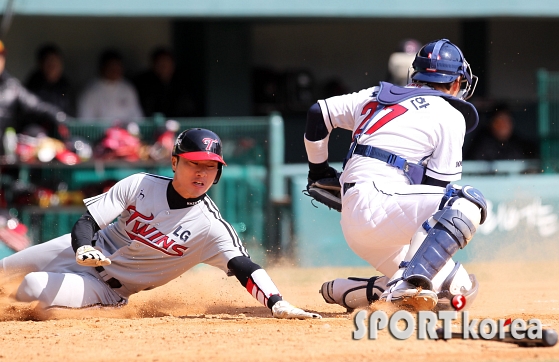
(219, 170)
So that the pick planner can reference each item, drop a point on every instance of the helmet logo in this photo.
(209, 142)
(430, 55)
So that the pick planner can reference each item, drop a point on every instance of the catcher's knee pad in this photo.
(463, 210)
(32, 287)
(454, 193)
(458, 282)
(353, 293)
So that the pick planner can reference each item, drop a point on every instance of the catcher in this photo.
(399, 209)
(163, 228)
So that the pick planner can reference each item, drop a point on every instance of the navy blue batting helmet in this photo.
(440, 61)
(199, 144)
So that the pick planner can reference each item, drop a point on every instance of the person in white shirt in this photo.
(110, 96)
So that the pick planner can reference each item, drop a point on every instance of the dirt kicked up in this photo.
(205, 316)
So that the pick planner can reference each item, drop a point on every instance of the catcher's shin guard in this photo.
(353, 293)
(454, 226)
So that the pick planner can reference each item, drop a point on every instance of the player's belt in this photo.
(112, 282)
(379, 154)
(413, 172)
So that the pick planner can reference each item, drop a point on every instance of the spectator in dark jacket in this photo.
(498, 141)
(161, 90)
(48, 81)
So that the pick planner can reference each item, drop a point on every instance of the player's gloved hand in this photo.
(87, 255)
(318, 171)
(324, 186)
(284, 310)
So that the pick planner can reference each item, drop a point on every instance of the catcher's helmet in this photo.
(198, 144)
(441, 61)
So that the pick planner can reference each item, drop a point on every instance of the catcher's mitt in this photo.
(327, 191)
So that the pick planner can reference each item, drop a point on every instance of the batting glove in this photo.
(87, 255)
(284, 310)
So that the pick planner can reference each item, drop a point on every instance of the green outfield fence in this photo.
(253, 148)
(548, 119)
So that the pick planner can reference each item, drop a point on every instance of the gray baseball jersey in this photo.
(150, 244)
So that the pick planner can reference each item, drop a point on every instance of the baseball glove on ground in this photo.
(327, 191)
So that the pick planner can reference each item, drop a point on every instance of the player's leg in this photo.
(428, 266)
(378, 221)
(54, 255)
(53, 277)
(66, 290)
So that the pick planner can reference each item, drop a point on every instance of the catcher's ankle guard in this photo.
(458, 282)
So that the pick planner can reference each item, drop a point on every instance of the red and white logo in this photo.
(209, 142)
(142, 231)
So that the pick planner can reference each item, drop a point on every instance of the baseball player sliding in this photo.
(163, 228)
(399, 210)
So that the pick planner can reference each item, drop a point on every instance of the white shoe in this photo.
(407, 296)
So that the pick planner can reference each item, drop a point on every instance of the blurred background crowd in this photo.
(157, 89)
(105, 81)
(161, 89)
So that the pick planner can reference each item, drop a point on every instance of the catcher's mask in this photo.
(441, 61)
(199, 144)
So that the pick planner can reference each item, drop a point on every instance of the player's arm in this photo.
(82, 235)
(317, 136)
(445, 164)
(49, 113)
(322, 180)
(259, 284)
(322, 118)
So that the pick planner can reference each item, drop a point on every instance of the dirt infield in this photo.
(206, 316)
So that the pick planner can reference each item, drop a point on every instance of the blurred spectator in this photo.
(334, 87)
(299, 90)
(161, 90)
(48, 81)
(110, 96)
(401, 60)
(17, 104)
(497, 140)
(268, 90)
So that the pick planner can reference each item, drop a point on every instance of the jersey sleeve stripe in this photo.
(234, 237)
(93, 199)
(329, 117)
